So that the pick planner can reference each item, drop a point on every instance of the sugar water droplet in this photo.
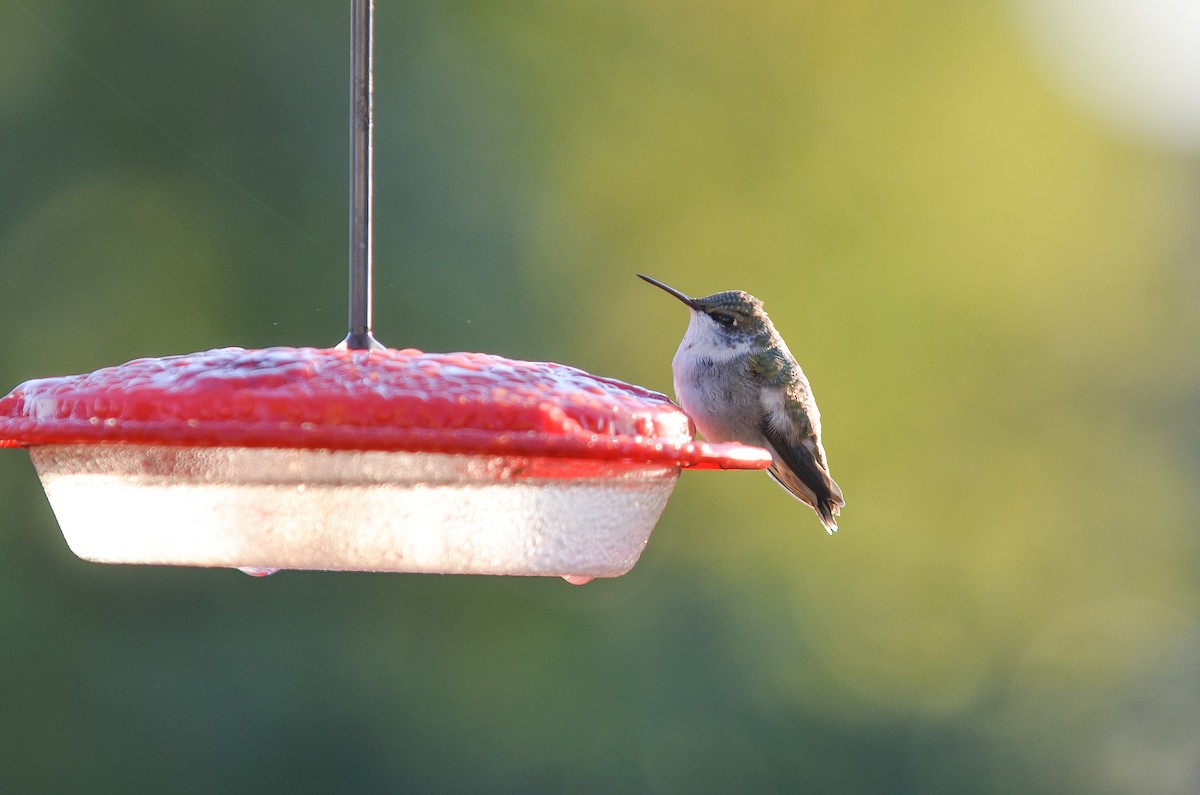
(257, 571)
(578, 579)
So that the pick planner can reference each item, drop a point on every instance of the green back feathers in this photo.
(770, 367)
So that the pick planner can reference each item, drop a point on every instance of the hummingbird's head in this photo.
(733, 318)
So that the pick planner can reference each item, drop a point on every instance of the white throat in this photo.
(702, 340)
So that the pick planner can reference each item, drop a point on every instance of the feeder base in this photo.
(271, 508)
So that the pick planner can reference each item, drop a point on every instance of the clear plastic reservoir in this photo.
(274, 508)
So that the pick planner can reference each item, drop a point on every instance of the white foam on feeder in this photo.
(539, 469)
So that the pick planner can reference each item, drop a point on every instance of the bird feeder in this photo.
(358, 457)
(382, 460)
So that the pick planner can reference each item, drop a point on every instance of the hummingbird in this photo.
(737, 380)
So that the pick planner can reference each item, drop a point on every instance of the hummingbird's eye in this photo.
(728, 321)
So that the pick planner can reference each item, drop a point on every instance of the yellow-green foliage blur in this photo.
(993, 292)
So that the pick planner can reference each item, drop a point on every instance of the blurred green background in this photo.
(993, 292)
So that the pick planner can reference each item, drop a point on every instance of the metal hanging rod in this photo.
(362, 167)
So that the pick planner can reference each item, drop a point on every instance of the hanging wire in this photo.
(362, 167)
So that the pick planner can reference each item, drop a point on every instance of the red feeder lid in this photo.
(334, 398)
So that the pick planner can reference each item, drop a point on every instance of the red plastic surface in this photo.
(363, 400)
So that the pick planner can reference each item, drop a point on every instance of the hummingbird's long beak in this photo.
(691, 302)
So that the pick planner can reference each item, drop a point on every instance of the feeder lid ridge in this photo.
(334, 398)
